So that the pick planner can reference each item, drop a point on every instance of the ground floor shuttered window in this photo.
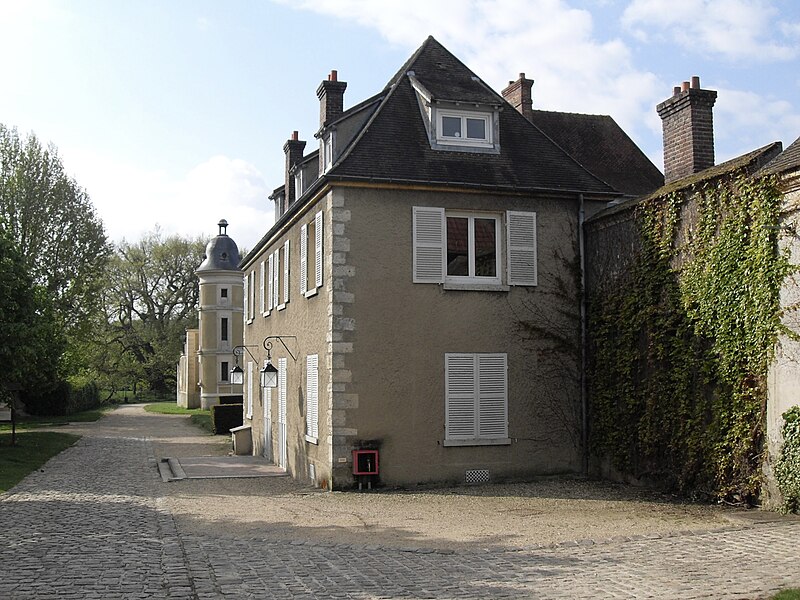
(312, 397)
(476, 398)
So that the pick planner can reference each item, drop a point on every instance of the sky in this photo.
(173, 114)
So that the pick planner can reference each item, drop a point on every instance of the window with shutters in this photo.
(312, 398)
(476, 399)
(466, 250)
(311, 236)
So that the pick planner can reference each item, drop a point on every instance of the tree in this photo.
(54, 226)
(151, 299)
(30, 343)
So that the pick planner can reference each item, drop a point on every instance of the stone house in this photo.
(423, 277)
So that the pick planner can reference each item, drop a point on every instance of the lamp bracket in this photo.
(268, 344)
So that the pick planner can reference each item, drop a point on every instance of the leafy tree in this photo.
(54, 226)
(30, 343)
(151, 298)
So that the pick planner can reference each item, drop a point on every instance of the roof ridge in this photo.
(576, 114)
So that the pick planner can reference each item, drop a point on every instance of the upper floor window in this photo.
(464, 128)
(298, 183)
(223, 329)
(472, 252)
(311, 237)
(471, 248)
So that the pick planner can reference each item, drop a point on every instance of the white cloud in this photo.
(741, 30)
(551, 42)
(744, 120)
(132, 201)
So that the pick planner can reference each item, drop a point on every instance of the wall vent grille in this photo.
(476, 476)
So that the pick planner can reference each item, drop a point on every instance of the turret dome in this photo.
(222, 253)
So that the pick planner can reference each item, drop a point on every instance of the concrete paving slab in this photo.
(222, 467)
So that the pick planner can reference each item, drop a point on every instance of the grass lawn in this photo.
(33, 449)
(33, 422)
(201, 418)
(787, 595)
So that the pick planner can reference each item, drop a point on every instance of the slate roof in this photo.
(394, 144)
(603, 148)
(787, 160)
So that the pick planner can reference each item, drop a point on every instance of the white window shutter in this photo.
(245, 281)
(429, 241)
(521, 237)
(252, 293)
(492, 396)
(460, 396)
(271, 270)
(303, 259)
(276, 277)
(286, 272)
(261, 303)
(318, 249)
(312, 395)
(249, 389)
(281, 386)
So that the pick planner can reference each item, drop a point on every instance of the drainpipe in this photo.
(584, 399)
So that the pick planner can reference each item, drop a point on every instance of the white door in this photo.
(267, 394)
(282, 413)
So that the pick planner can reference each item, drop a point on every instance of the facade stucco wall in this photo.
(308, 319)
(393, 335)
(784, 373)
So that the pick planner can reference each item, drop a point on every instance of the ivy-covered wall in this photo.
(684, 312)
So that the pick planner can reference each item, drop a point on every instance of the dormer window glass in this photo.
(298, 183)
(465, 128)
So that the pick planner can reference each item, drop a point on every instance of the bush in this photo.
(787, 469)
(225, 417)
(63, 399)
(231, 399)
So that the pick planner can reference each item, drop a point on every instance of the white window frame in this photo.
(298, 183)
(471, 277)
(486, 117)
(326, 144)
(252, 300)
(276, 270)
(312, 398)
(476, 399)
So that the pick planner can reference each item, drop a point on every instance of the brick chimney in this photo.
(331, 98)
(293, 149)
(518, 94)
(688, 123)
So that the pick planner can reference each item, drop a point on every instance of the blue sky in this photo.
(175, 112)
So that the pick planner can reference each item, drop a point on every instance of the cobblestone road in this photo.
(92, 524)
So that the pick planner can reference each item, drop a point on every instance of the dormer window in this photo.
(464, 128)
(298, 183)
(326, 151)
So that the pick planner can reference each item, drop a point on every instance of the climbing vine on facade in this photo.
(787, 469)
(681, 346)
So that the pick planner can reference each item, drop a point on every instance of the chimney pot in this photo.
(695, 82)
(676, 90)
(295, 136)
(522, 75)
(685, 86)
(334, 76)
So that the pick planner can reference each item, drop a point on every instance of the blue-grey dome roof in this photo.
(222, 253)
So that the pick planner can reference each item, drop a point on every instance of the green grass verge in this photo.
(34, 422)
(200, 418)
(793, 594)
(33, 449)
